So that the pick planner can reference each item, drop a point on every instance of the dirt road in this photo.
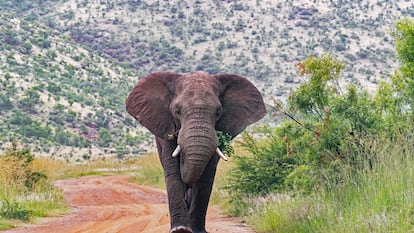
(113, 205)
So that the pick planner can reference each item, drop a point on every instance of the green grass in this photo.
(4, 225)
(47, 202)
(377, 199)
(149, 171)
(22, 203)
(19, 205)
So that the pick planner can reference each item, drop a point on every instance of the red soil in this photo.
(113, 205)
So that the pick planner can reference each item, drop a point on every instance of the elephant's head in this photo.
(189, 108)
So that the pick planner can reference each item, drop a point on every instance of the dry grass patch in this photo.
(25, 191)
(149, 171)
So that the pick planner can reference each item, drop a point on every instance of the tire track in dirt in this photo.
(111, 204)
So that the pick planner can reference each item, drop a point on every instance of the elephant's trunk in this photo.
(197, 152)
(198, 142)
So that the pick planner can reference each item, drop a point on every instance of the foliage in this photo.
(314, 96)
(23, 159)
(19, 118)
(350, 157)
(25, 191)
(296, 155)
(63, 95)
(373, 199)
(225, 143)
(53, 58)
(5, 102)
(14, 210)
(403, 82)
(263, 172)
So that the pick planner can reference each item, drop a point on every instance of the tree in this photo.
(314, 96)
(54, 88)
(5, 102)
(10, 37)
(20, 118)
(104, 137)
(403, 81)
(31, 99)
(302, 151)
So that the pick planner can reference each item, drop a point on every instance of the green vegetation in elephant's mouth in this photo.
(225, 143)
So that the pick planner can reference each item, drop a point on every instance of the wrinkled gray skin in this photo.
(187, 110)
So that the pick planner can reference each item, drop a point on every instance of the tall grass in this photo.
(25, 193)
(149, 171)
(379, 198)
(219, 195)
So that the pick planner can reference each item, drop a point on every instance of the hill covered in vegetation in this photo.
(59, 98)
(260, 39)
(67, 65)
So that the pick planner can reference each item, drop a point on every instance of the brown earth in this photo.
(113, 205)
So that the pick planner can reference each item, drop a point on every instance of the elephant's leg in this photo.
(179, 215)
(180, 218)
(201, 195)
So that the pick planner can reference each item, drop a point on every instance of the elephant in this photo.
(184, 112)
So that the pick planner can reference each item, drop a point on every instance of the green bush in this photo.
(301, 179)
(225, 143)
(5, 102)
(263, 172)
(25, 191)
(23, 158)
(296, 155)
(404, 80)
(35, 130)
(13, 210)
(20, 118)
(344, 154)
(377, 198)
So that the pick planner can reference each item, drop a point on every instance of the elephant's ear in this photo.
(242, 104)
(149, 103)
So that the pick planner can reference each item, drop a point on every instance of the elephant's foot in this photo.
(181, 229)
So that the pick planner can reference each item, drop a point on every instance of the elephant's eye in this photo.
(177, 112)
(218, 113)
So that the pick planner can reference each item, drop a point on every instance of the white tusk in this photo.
(221, 154)
(176, 151)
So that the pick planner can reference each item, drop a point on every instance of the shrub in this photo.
(19, 170)
(263, 172)
(5, 102)
(17, 178)
(35, 130)
(403, 81)
(350, 155)
(19, 181)
(377, 198)
(300, 154)
(20, 118)
(13, 210)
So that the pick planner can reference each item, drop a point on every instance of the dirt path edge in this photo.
(112, 204)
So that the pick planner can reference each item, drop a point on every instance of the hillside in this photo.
(67, 65)
(259, 39)
(59, 98)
